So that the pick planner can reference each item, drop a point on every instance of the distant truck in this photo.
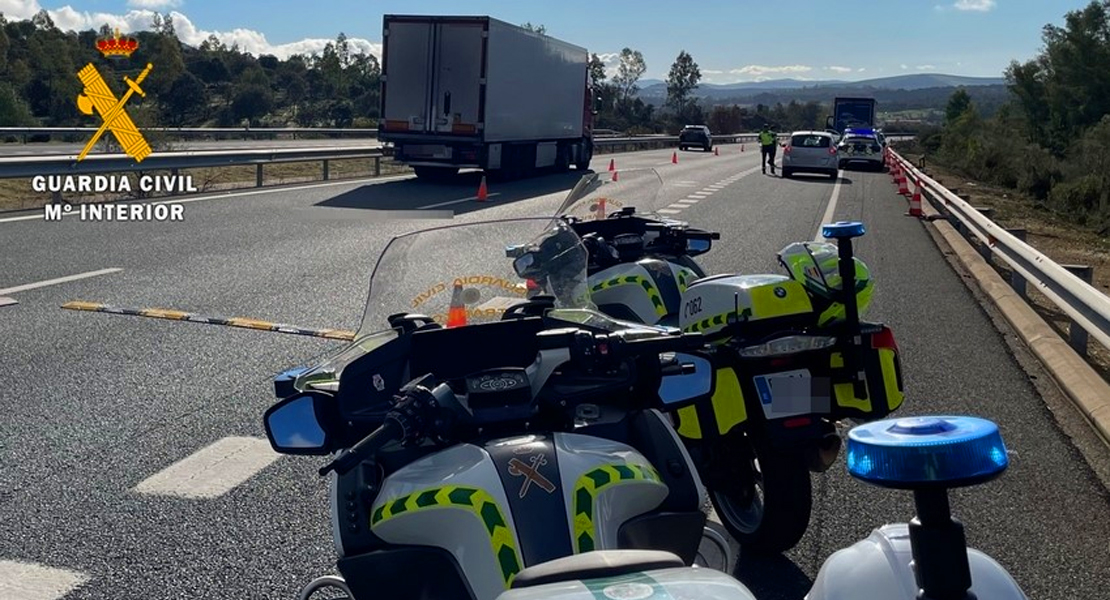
(476, 92)
(855, 113)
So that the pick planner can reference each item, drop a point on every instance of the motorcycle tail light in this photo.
(785, 346)
(884, 339)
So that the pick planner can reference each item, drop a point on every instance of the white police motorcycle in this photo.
(479, 470)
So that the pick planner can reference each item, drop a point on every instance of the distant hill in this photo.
(654, 88)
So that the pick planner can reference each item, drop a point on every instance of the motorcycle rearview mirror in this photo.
(687, 379)
(698, 246)
(296, 425)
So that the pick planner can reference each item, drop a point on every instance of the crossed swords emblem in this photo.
(98, 97)
(531, 473)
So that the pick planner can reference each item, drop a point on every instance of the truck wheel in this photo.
(437, 174)
(766, 502)
(583, 162)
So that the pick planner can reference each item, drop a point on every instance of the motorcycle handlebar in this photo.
(389, 431)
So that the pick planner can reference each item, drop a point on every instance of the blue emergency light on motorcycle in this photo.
(926, 452)
(843, 229)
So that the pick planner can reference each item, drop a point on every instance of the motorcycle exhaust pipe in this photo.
(823, 453)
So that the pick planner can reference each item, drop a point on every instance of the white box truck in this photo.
(476, 92)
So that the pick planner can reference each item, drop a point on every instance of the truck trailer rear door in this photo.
(407, 70)
(457, 89)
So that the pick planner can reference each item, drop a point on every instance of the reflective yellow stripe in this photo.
(844, 392)
(647, 284)
(894, 395)
(688, 425)
(591, 484)
(478, 502)
(728, 401)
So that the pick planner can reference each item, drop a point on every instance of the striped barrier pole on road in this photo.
(242, 322)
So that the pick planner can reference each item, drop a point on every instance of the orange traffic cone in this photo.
(600, 214)
(741, 147)
(456, 314)
(614, 177)
(483, 193)
(902, 189)
(716, 151)
(612, 164)
(674, 158)
(915, 202)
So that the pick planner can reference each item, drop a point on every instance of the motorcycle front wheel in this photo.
(766, 500)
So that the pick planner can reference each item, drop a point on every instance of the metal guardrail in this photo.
(23, 166)
(24, 132)
(1086, 306)
(30, 166)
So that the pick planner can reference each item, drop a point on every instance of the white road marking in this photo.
(700, 195)
(831, 210)
(66, 279)
(686, 184)
(8, 301)
(28, 581)
(667, 211)
(716, 187)
(183, 200)
(688, 201)
(211, 471)
(459, 201)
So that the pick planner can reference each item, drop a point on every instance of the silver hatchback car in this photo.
(810, 152)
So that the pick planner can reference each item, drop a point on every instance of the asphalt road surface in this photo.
(114, 426)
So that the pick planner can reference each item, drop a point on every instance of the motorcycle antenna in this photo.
(242, 322)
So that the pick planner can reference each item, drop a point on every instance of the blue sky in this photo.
(731, 40)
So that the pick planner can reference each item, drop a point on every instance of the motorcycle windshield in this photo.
(464, 274)
(598, 195)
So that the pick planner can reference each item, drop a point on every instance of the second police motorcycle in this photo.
(486, 445)
(790, 353)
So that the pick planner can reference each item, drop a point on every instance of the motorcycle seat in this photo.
(595, 564)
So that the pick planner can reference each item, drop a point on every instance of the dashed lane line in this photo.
(211, 471)
(66, 279)
(830, 211)
(29, 581)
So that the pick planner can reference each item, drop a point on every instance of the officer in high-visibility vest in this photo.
(767, 146)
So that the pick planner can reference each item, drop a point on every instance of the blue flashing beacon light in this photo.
(917, 453)
(843, 229)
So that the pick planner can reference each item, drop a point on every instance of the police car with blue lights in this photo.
(860, 146)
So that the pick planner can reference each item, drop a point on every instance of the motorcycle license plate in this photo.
(788, 394)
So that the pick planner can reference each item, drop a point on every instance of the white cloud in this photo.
(904, 67)
(19, 9)
(67, 18)
(975, 5)
(711, 72)
(925, 68)
(861, 70)
(836, 69)
(154, 4)
(760, 70)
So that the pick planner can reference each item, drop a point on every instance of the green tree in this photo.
(629, 71)
(13, 110)
(1066, 88)
(958, 104)
(187, 99)
(251, 102)
(681, 83)
(596, 70)
(540, 29)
